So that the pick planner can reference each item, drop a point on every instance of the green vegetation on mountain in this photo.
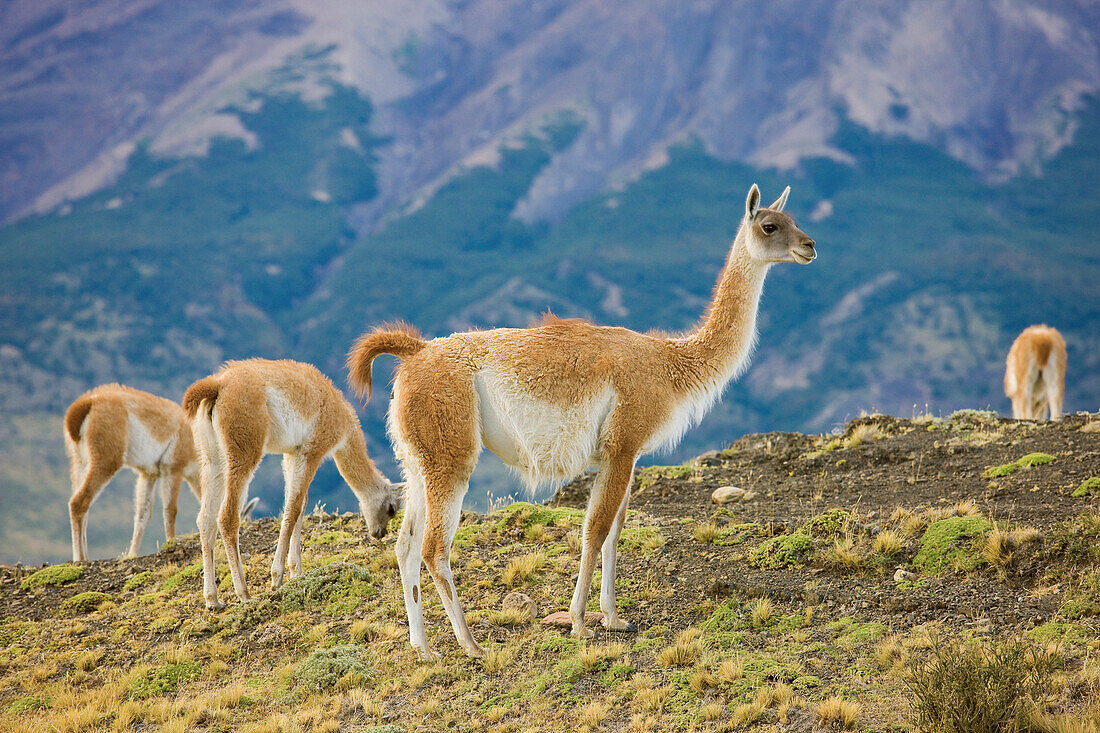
(925, 273)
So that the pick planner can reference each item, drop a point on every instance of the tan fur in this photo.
(554, 399)
(1035, 374)
(98, 441)
(257, 406)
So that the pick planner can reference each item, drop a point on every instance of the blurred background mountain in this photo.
(184, 183)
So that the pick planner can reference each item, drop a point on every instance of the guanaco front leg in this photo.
(298, 472)
(611, 618)
(607, 498)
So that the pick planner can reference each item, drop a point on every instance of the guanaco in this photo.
(1035, 373)
(258, 406)
(554, 399)
(112, 427)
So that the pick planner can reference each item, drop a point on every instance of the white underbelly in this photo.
(143, 451)
(541, 441)
(288, 431)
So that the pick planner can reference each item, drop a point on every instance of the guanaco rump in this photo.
(258, 406)
(554, 399)
(1035, 373)
(111, 427)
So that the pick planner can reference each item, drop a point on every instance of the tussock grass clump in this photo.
(864, 433)
(746, 714)
(684, 652)
(888, 542)
(836, 712)
(712, 711)
(706, 533)
(371, 631)
(731, 670)
(497, 660)
(523, 568)
(591, 715)
(593, 657)
(997, 550)
(843, 554)
(972, 688)
(702, 679)
(761, 610)
(53, 575)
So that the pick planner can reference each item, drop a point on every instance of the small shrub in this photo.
(783, 551)
(973, 688)
(324, 668)
(53, 575)
(26, 704)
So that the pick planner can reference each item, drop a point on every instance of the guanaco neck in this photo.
(355, 464)
(717, 349)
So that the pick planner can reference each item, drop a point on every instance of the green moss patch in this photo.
(191, 572)
(332, 537)
(1034, 459)
(1028, 461)
(952, 543)
(138, 580)
(1088, 486)
(827, 524)
(645, 539)
(162, 680)
(524, 514)
(322, 669)
(26, 704)
(783, 551)
(85, 602)
(53, 575)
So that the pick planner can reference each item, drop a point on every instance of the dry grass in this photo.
(843, 554)
(864, 434)
(706, 532)
(913, 525)
(836, 712)
(591, 715)
(746, 714)
(682, 653)
(887, 542)
(997, 549)
(592, 656)
(523, 568)
(712, 711)
(731, 670)
(702, 680)
(497, 660)
(371, 631)
(761, 610)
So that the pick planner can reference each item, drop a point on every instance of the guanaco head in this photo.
(378, 508)
(771, 235)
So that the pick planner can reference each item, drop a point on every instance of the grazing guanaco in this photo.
(1035, 373)
(111, 427)
(258, 406)
(552, 400)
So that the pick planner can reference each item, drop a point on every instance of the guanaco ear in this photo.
(752, 203)
(781, 201)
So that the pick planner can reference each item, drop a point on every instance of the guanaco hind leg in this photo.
(144, 493)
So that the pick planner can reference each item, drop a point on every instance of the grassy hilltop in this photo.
(882, 579)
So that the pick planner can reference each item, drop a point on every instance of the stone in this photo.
(521, 603)
(561, 618)
(730, 494)
(902, 574)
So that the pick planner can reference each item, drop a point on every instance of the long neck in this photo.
(356, 467)
(721, 344)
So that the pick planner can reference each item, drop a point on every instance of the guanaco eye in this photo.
(770, 228)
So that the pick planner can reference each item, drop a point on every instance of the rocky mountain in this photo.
(992, 83)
